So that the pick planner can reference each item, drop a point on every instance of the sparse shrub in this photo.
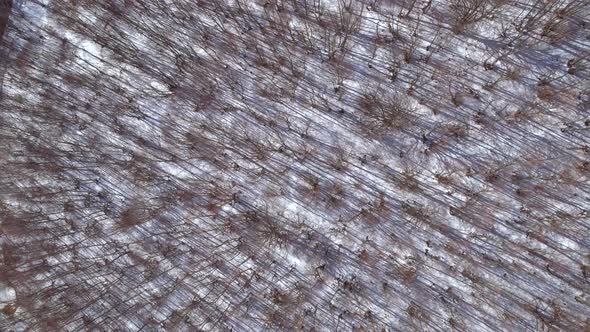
(513, 74)
(336, 195)
(465, 13)
(382, 114)
(545, 91)
(9, 309)
(134, 214)
(408, 180)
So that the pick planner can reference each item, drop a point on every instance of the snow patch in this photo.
(7, 294)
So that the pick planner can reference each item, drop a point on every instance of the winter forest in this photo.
(295, 165)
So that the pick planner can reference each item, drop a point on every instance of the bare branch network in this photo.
(294, 165)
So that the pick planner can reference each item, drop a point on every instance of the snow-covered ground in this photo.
(246, 165)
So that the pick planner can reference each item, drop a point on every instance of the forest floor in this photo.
(250, 165)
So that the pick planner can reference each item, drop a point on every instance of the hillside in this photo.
(286, 165)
